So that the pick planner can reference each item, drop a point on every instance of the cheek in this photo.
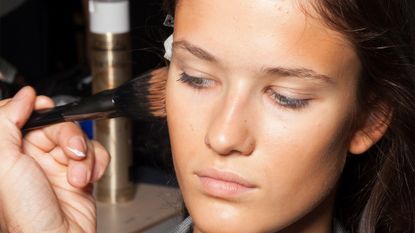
(302, 157)
(186, 121)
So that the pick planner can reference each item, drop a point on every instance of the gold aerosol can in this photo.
(111, 66)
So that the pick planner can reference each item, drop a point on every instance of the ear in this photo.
(371, 131)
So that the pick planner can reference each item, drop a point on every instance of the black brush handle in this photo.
(46, 117)
(98, 106)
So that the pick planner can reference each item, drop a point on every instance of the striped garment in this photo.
(186, 227)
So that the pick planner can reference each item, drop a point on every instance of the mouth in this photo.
(223, 184)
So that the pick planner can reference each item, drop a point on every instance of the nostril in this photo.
(223, 145)
(250, 147)
(207, 142)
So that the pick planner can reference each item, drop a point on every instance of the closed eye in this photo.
(287, 102)
(196, 82)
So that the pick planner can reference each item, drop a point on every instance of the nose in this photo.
(229, 131)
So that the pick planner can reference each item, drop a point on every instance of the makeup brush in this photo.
(141, 98)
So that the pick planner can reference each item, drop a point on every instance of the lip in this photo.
(223, 184)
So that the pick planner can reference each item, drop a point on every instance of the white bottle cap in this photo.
(109, 16)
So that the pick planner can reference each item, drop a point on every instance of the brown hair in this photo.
(377, 190)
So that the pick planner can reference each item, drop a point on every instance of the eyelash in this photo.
(287, 102)
(195, 82)
(284, 101)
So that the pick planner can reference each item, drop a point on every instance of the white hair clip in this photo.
(169, 21)
(168, 43)
(168, 47)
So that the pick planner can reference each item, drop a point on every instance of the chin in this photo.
(209, 226)
(219, 216)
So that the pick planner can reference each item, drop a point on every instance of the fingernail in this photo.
(77, 146)
(79, 174)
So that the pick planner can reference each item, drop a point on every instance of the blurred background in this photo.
(43, 43)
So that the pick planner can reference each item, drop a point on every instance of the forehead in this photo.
(257, 18)
(251, 30)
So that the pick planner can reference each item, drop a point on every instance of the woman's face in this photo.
(259, 98)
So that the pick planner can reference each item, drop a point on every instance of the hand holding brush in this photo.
(140, 98)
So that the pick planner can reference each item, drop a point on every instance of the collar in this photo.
(186, 226)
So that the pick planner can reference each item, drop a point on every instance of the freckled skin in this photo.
(293, 156)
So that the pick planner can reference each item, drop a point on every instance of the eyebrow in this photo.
(299, 73)
(196, 51)
(280, 71)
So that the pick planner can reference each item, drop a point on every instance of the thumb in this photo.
(19, 108)
(13, 114)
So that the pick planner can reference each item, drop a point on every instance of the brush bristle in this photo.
(143, 97)
(157, 92)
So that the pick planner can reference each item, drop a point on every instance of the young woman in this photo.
(284, 116)
(268, 101)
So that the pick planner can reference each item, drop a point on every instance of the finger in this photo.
(4, 102)
(43, 102)
(13, 114)
(66, 136)
(53, 164)
(70, 137)
(80, 172)
(18, 109)
(102, 159)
